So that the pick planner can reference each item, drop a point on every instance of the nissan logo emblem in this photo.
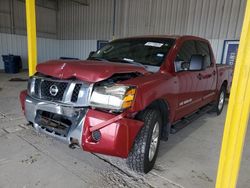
(53, 90)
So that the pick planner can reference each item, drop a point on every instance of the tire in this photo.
(140, 158)
(220, 100)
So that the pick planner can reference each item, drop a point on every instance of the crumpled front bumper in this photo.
(117, 133)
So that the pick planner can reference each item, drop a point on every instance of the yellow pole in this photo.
(31, 35)
(237, 113)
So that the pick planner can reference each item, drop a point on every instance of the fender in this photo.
(153, 87)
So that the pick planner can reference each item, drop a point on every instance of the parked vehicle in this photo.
(127, 95)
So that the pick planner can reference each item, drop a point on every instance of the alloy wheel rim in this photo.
(154, 141)
(221, 101)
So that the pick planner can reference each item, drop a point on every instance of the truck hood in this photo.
(86, 70)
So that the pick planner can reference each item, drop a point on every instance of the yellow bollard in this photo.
(31, 35)
(237, 113)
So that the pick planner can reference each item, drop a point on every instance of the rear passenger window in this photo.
(203, 49)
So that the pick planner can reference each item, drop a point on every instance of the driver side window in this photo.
(183, 57)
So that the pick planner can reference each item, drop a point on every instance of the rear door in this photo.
(208, 75)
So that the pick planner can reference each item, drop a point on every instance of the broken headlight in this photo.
(116, 97)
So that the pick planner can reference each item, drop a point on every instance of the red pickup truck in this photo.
(127, 96)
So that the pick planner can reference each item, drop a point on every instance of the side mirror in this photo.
(91, 53)
(196, 63)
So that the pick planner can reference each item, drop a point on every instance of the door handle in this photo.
(199, 76)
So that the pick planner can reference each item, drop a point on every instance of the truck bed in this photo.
(225, 72)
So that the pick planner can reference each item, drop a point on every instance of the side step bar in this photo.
(188, 119)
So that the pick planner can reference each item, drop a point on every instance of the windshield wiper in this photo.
(126, 61)
(97, 58)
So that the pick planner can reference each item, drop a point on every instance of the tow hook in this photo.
(74, 143)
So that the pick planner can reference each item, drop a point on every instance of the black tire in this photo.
(138, 159)
(217, 107)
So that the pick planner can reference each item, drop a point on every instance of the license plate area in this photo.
(53, 123)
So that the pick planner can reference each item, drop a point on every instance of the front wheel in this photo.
(144, 153)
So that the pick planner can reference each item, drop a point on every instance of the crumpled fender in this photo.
(117, 133)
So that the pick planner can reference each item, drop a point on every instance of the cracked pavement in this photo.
(29, 159)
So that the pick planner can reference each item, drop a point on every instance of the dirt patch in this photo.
(32, 159)
(202, 176)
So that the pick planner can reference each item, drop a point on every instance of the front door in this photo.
(190, 83)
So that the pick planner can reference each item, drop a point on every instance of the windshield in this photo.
(145, 51)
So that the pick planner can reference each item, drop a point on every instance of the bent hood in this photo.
(90, 71)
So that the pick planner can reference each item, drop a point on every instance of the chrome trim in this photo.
(68, 92)
(59, 80)
(83, 96)
(33, 105)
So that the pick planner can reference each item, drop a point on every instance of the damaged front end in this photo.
(71, 110)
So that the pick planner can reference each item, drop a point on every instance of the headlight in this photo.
(31, 86)
(115, 97)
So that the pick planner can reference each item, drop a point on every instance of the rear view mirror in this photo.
(196, 63)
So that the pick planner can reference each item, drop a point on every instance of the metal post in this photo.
(31, 35)
(114, 20)
(237, 113)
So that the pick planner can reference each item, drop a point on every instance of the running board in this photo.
(189, 119)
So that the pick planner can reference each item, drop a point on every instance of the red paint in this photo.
(22, 98)
(118, 134)
(90, 71)
(117, 138)
(108, 122)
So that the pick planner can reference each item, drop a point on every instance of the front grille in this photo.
(64, 91)
(37, 86)
(53, 123)
(46, 90)
(76, 92)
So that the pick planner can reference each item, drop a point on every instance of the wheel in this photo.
(221, 100)
(144, 152)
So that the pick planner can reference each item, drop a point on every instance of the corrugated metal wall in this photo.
(85, 22)
(215, 20)
(212, 19)
(13, 20)
(78, 26)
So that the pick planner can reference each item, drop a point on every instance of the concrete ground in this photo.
(28, 159)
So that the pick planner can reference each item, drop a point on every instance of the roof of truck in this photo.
(163, 37)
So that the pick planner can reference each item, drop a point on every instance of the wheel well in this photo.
(224, 84)
(162, 106)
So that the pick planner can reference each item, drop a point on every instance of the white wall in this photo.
(47, 48)
(77, 48)
(217, 46)
(17, 45)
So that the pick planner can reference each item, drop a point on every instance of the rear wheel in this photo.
(144, 153)
(221, 100)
